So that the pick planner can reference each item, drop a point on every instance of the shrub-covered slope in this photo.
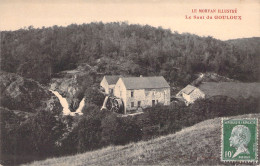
(196, 145)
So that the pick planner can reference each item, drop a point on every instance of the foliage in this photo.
(120, 131)
(94, 96)
(96, 128)
(173, 118)
(196, 145)
(120, 48)
(88, 132)
(34, 136)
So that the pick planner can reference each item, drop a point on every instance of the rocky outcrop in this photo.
(210, 77)
(72, 84)
(18, 93)
(68, 88)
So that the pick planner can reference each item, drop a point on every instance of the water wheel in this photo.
(113, 104)
(109, 104)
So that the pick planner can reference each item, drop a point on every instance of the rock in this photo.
(72, 84)
(18, 93)
(211, 77)
(74, 105)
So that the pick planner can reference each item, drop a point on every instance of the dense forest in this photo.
(122, 48)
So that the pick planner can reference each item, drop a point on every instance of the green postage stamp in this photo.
(239, 140)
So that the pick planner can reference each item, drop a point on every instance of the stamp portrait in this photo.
(239, 140)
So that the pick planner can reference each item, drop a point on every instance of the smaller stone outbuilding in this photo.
(190, 94)
(108, 83)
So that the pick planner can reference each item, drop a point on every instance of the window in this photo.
(139, 103)
(132, 104)
(112, 91)
(132, 93)
(153, 102)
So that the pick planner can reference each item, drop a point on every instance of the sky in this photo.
(169, 14)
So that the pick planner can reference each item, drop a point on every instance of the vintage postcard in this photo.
(129, 82)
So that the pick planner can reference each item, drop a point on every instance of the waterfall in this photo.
(81, 106)
(65, 105)
(104, 103)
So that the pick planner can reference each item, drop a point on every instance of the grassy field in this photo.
(196, 145)
(231, 89)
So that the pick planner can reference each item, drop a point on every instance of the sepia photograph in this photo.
(129, 82)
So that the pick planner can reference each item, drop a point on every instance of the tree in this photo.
(40, 133)
(94, 96)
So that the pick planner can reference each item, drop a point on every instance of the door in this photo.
(139, 103)
(153, 102)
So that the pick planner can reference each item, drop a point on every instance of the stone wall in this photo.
(196, 94)
(193, 96)
(146, 96)
(120, 91)
(105, 85)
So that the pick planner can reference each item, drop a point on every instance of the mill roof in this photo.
(145, 82)
(112, 79)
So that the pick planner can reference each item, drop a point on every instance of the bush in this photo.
(130, 131)
(95, 129)
(86, 134)
(43, 131)
(94, 96)
(37, 135)
(110, 132)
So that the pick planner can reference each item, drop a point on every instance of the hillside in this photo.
(199, 144)
(247, 44)
(126, 49)
(231, 89)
